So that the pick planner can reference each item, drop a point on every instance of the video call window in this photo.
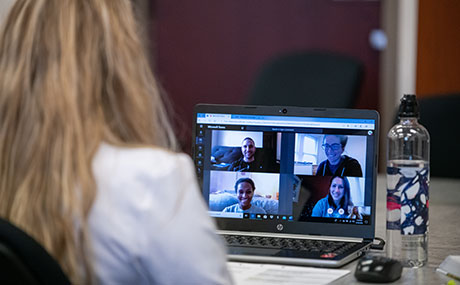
(331, 197)
(329, 154)
(246, 151)
(286, 172)
(233, 193)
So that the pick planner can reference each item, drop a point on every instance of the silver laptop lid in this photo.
(290, 170)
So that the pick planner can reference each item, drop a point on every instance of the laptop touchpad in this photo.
(251, 251)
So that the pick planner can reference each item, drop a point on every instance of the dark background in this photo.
(208, 51)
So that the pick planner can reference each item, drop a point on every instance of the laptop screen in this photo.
(300, 169)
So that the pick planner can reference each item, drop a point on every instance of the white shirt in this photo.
(149, 224)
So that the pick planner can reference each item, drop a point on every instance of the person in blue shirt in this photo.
(337, 202)
(244, 188)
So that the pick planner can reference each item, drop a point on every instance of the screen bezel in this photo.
(297, 227)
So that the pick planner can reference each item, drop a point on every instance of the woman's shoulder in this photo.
(323, 202)
(320, 207)
(137, 155)
(139, 182)
(133, 176)
(155, 161)
(324, 199)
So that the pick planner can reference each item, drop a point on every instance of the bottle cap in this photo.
(408, 107)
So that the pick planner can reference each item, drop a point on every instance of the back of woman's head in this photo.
(83, 63)
(73, 74)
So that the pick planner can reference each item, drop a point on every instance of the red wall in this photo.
(209, 51)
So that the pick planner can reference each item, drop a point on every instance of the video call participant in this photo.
(247, 162)
(336, 163)
(244, 189)
(354, 214)
(337, 202)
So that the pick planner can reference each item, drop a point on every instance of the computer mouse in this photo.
(378, 269)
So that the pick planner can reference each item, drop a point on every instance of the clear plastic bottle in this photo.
(408, 176)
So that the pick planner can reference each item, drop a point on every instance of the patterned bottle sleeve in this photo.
(407, 199)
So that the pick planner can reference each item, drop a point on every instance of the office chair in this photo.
(24, 261)
(308, 79)
(439, 115)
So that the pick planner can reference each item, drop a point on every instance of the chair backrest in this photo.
(25, 261)
(308, 79)
(439, 115)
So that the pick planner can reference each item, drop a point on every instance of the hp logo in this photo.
(279, 227)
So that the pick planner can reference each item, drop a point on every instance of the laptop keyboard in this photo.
(314, 246)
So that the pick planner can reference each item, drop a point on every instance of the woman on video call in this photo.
(244, 189)
(337, 202)
(87, 155)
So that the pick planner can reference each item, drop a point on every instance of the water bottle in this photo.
(408, 177)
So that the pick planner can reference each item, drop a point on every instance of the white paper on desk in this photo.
(450, 265)
(255, 273)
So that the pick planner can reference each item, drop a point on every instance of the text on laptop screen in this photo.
(285, 168)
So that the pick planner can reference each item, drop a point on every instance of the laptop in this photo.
(289, 185)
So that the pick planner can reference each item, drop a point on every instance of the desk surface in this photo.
(443, 236)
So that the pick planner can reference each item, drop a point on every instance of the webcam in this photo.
(284, 111)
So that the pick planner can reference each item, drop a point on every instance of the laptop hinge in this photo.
(295, 236)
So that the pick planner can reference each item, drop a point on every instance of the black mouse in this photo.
(378, 269)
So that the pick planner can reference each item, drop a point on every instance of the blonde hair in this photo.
(73, 74)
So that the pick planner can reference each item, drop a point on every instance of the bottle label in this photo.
(407, 199)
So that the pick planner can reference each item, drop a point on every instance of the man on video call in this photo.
(247, 162)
